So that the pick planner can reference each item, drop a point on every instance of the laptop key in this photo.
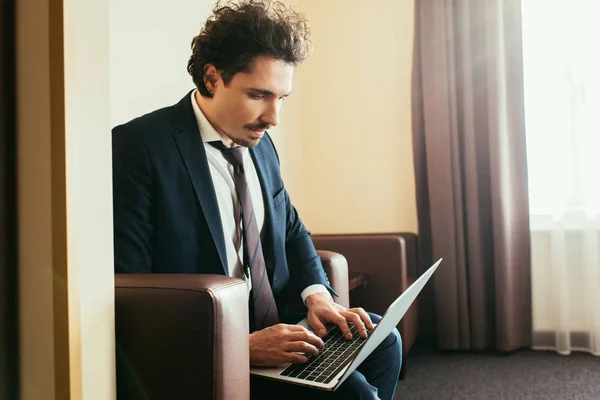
(303, 375)
(295, 374)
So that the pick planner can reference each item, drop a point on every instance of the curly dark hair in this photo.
(239, 32)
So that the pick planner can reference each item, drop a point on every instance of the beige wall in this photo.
(66, 295)
(149, 50)
(88, 159)
(355, 115)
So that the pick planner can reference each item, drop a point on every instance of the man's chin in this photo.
(246, 142)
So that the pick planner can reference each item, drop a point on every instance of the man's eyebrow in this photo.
(267, 92)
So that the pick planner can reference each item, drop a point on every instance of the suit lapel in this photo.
(193, 154)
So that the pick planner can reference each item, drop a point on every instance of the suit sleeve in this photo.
(132, 202)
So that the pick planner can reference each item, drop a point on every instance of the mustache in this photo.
(258, 127)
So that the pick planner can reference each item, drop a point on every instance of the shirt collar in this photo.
(207, 131)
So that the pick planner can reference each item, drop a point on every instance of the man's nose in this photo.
(271, 116)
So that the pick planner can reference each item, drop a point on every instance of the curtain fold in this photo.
(471, 175)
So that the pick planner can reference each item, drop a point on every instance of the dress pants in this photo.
(375, 378)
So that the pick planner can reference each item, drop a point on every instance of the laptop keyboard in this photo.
(331, 358)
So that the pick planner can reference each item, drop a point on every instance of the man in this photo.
(198, 189)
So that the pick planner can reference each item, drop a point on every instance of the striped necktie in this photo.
(265, 309)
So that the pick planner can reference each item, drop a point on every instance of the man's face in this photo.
(250, 103)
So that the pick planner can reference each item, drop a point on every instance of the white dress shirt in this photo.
(221, 172)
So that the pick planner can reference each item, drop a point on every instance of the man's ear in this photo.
(211, 77)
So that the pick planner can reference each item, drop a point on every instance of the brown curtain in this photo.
(470, 167)
(8, 230)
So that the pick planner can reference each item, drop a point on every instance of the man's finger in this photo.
(301, 347)
(355, 319)
(317, 325)
(340, 321)
(364, 316)
(308, 337)
(295, 328)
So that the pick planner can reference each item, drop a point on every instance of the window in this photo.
(561, 53)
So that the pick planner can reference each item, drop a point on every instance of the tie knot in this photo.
(232, 154)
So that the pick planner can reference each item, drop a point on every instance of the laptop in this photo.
(340, 356)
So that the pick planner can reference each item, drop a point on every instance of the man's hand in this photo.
(322, 310)
(281, 343)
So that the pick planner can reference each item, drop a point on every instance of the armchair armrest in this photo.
(336, 269)
(181, 336)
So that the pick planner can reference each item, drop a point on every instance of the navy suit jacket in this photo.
(166, 216)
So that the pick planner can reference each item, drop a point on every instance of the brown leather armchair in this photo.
(186, 336)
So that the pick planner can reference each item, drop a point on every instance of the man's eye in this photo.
(257, 96)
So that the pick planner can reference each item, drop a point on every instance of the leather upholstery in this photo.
(336, 269)
(181, 336)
